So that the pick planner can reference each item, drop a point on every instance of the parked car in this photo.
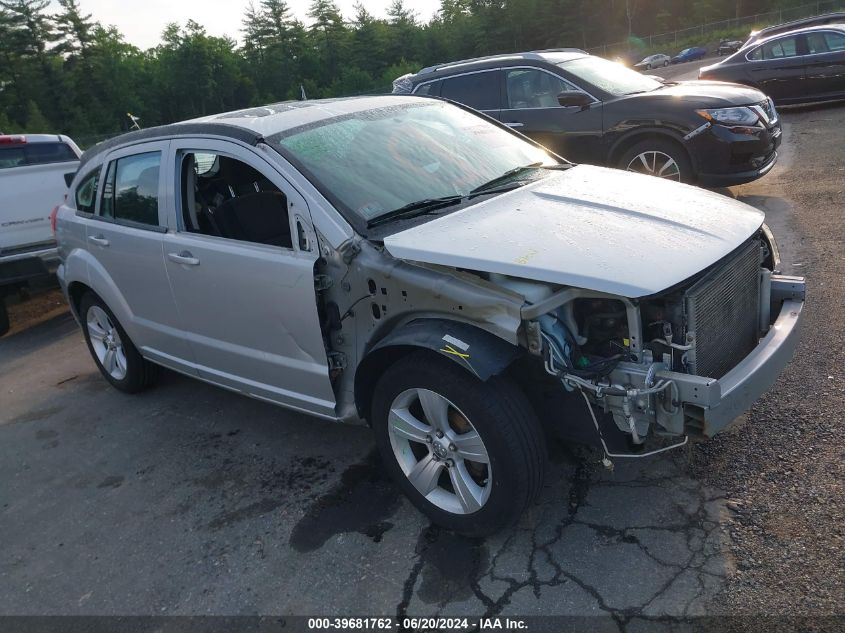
(726, 47)
(777, 29)
(689, 55)
(595, 111)
(33, 170)
(410, 263)
(653, 61)
(794, 67)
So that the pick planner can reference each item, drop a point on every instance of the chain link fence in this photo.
(713, 31)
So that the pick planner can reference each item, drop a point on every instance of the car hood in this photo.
(706, 94)
(589, 227)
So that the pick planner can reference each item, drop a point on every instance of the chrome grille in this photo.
(722, 313)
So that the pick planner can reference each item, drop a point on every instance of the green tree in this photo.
(329, 33)
(74, 28)
(36, 123)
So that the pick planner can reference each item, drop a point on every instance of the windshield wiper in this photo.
(412, 209)
(429, 205)
(509, 174)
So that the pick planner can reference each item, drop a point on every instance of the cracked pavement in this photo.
(192, 500)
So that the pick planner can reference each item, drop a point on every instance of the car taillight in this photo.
(53, 216)
(12, 139)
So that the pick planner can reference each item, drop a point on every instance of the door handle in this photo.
(185, 257)
(515, 124)
(99, 240)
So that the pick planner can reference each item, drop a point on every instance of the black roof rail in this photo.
(538, 55)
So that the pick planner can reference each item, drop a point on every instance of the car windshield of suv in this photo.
(377, 161)
(609, 76)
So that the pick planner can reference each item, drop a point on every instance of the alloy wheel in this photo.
(105, 340)
(654, 163)
(440, 451)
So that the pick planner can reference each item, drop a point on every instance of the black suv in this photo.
(591, 110)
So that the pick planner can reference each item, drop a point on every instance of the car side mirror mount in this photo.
(574, 98)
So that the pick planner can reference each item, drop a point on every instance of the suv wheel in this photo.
(658, 157)
(116, 357)
(469, 454)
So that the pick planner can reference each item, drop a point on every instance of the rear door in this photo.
(825, 63)
(777, 67)
(31, 184)
(124, 239)
(240, 256)
(531, 106)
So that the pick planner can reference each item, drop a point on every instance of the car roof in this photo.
(806, 29)
(550, 56)
(253, 125)
(796, 24)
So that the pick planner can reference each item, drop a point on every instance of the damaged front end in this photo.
(681, 364)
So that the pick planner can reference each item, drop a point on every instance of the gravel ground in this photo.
(783, 469)
(42, 301)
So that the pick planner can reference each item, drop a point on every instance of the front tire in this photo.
(115, 355)
(469, 454)
(658, 157)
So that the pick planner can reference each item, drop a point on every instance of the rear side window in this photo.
(477, 90)
(785, 47)
(35, 154)
(130, 191)
(86, 193)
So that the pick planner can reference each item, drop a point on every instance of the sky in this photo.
(142, 22)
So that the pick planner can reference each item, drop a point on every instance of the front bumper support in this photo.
(714, 404)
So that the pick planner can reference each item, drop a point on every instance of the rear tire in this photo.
(115, 355)
(658, 157)
(469, 454)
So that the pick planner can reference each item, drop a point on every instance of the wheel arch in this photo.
(75, 291)
(626, 142)
(475, 350)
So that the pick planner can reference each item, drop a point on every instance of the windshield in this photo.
(376, 161)
(609, 76)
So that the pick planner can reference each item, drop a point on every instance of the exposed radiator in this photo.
(722, 312)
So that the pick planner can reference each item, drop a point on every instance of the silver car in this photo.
(658, 60)
(407, 263)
